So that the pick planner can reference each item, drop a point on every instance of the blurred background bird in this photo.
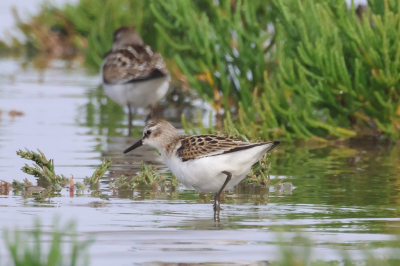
(133, 74)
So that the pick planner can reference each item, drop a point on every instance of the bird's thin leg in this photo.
(216, 216)
(217, 197)
(216, 210)
(130, 120)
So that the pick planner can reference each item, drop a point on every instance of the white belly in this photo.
(139, 94)
(205, 174)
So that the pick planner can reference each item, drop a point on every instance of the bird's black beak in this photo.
(134, 146)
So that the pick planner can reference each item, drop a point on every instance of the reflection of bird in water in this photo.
(206, 163)
(133, 74)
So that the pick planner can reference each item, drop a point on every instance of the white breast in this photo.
(138, 94)
(205, 174)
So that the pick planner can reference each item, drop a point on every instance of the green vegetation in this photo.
(217, 46)
(147, 176)
(259, 174)
(98, 22)
(82, 29)
(228, 131)
(63, 246)
(300, 250)
(31, 247)
(338, 71)
(43, 169)
(324, 71)
(98, 174)
(331, 72)
(48, 183)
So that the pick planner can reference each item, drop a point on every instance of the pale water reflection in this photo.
(342, 196)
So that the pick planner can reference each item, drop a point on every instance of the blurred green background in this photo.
(286, 69)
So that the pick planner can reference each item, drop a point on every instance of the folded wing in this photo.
(195, 147)
(133, 63)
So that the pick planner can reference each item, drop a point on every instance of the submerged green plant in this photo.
(30, 247)
(300, 250)
(259, 173)
(43, 169)
(16, 185)
(147, 176)
(98, 174)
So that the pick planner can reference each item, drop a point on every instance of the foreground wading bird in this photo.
(133, 74)
(206, 163)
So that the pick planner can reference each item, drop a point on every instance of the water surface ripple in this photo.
(346, 196)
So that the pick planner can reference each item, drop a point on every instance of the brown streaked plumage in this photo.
(133, 73)
(195, 147)
(206, 163)
(131, 60)
(133, 63)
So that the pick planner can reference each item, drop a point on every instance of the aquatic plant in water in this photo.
(64, 246)
(32, 247)
(259, 173)
(300, 250)
(147, 176)
(43, 169)
(98, 174)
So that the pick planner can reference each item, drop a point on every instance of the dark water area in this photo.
(344, 196)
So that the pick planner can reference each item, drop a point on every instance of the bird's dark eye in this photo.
(148, 132)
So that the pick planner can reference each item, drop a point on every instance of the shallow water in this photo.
(346, 196)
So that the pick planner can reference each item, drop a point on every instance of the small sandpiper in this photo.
(205, 163)
(133, 74)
